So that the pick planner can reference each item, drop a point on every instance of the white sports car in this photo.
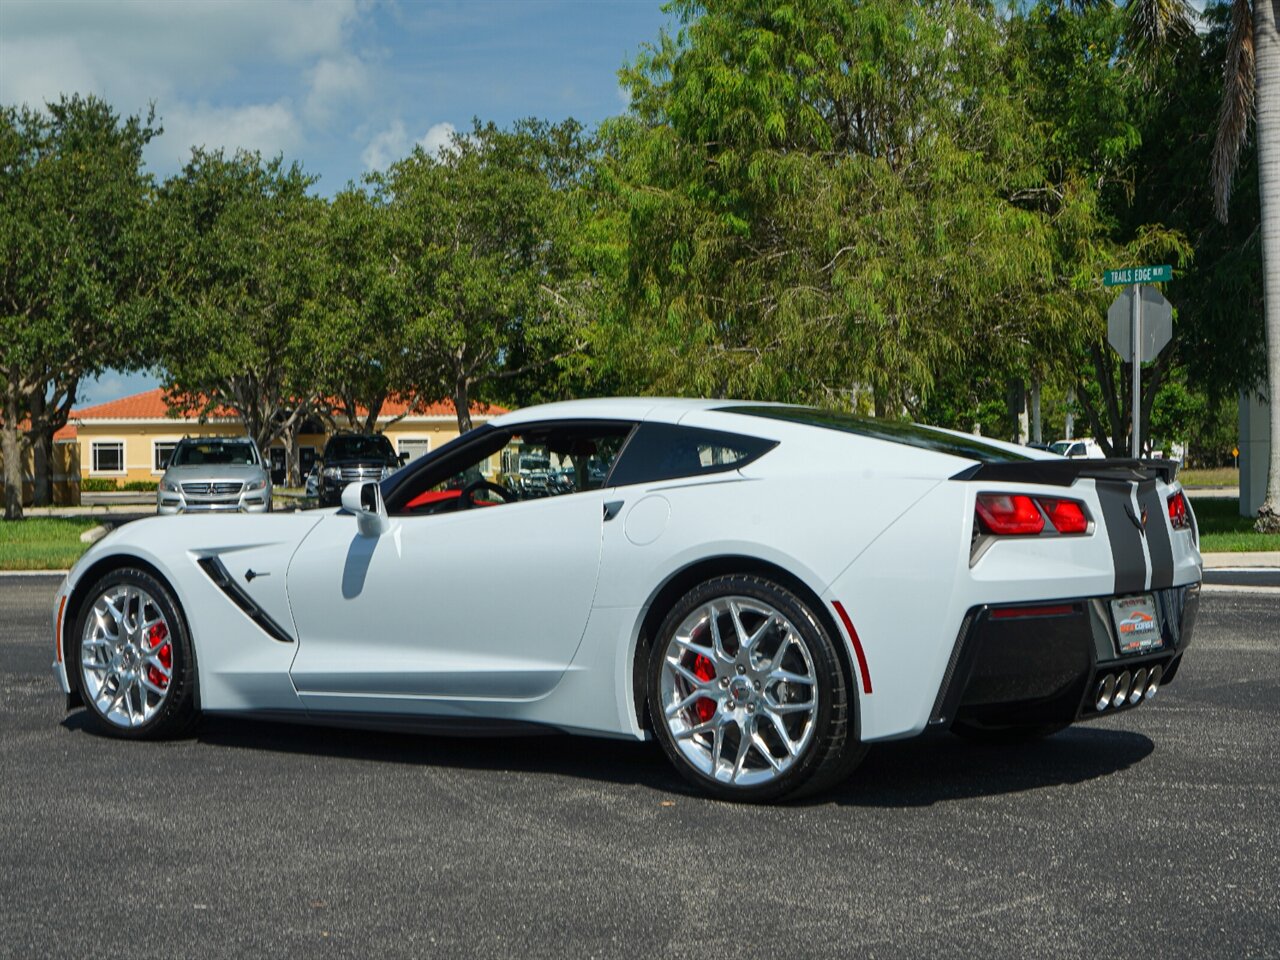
(765, 589)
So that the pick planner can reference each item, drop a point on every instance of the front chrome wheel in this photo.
(126, 656)
(738, 691)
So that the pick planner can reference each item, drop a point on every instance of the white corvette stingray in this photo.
(765, 589)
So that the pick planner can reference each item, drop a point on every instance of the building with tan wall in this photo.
(131, 438)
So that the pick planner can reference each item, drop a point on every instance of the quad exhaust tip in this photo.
(1106, 687)
(1153, 681)
(1131, 689)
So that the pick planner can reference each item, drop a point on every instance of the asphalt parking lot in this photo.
(1152, 833)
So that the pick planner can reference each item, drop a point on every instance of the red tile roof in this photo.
(151, 405)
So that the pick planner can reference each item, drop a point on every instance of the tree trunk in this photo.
(462, 404)
(1037, 432)
(41, 439)
(1069, 428)
(292, 476)
(11, 445)
(1266, 45)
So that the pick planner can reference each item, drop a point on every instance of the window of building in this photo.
(161, 451)
(107, 456)
(413, 446)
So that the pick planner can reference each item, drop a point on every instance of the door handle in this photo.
(612, 509)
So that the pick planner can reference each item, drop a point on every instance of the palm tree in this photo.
(1251, 91)
(1252, 86)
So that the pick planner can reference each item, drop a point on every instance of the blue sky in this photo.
(344, 86)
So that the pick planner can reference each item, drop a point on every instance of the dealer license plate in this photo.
(1137, 626)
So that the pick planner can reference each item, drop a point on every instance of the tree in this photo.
(1253, 85)
(821, 202)
(480, 260)
(73, 300)
(362, 358)
(242, 269)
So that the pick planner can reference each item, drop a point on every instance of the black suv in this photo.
(349, 457)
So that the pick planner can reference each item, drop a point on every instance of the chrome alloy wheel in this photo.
(126, 657)
(739, 694)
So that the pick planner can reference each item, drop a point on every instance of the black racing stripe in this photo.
(1126, 539)
(1158, 542)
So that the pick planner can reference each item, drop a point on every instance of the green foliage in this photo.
(819, 202)
(98, 485)
(240, 249)
(72, 253)
(479, 235)
(43, 543)
(1222, 529)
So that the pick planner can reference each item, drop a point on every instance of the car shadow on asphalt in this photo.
(939, 767)
(934, 768)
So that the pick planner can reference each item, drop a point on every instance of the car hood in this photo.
(214, 471)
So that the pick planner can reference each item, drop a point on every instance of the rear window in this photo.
(663, 451)
(359, 447)
(908, 434)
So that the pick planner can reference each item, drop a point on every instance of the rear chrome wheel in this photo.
(135, 669)
(747, 694)
(739, 693)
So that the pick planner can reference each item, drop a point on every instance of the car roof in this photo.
(666, 409)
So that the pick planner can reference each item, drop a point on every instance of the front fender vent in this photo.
(219, 574)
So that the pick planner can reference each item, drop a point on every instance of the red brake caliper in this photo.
(165, 655)
(704, 669)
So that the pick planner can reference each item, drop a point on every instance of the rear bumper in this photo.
(1043, 662)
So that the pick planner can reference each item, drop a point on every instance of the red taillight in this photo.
(1010, 515)
(1067, 516)
(1020, 515)
(1179, 518)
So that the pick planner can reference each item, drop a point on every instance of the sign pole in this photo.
(1135, 444)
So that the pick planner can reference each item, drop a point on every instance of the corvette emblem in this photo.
(1138, 521)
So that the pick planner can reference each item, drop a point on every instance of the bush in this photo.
(148, 485)
(98, 485)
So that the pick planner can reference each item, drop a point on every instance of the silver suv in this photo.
(214, 474)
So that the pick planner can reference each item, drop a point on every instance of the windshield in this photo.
(218, 452)
(908, 434)
(1061, 447)
(359, 448)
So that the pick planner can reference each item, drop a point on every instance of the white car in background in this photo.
(1078, 449)
(764, 589)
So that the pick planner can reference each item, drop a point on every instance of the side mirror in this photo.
(404, 458)
(364, 499)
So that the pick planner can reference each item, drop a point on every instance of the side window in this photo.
(528, 463)
(664, 451)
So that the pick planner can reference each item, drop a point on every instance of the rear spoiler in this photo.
(1063, 473)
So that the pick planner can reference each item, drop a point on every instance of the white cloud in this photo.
(393, 143)
(386, 147)
(335, 82)
(191, 59)
(437, 137)
(269, 128)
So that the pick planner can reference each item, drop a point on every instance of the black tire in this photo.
(177, 713)
(1005, 734)
(832, 751)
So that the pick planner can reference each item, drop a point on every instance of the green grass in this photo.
(1211, 477)
(1223, 530)
(42, 543)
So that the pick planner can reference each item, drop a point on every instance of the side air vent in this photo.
(219, 574)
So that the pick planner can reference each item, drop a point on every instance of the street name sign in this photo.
(1127, 275)
(1139, 325)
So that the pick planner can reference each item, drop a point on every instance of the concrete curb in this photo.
(94, 534)
(1227, 561)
